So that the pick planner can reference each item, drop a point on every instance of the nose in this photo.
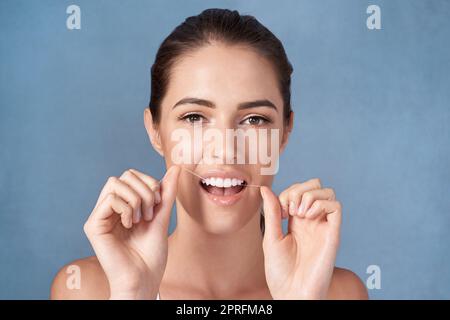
(220, 145)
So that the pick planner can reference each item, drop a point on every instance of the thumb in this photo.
(168, 191)
(272, 215)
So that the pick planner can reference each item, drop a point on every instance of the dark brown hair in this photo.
(221, 25)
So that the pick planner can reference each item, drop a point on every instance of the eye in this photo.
(255, 121)
(192, 118)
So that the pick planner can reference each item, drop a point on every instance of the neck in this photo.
(216, 265)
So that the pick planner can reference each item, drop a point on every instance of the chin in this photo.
(219, 220)
(222, 227)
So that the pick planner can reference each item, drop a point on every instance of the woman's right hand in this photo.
(128, 230)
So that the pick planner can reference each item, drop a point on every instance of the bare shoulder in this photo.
(346, 285)
(80, 279)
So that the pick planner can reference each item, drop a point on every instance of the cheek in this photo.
(262, 179)
(177, 144)
(188, 190)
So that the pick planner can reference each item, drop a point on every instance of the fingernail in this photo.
(291, 207)
(157, 197)
(263, 192)
(138, 216)
(302, 208)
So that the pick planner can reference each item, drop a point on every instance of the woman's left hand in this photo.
(300, 264)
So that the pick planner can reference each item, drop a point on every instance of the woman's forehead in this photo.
(224, 74)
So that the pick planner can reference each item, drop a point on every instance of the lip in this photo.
(224, 200)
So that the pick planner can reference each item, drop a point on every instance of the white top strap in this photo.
(157, 297)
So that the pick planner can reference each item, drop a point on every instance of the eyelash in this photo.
(186, 117)
(260, 118)
(189, 116)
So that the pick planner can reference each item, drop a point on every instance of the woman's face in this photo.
(215, 90)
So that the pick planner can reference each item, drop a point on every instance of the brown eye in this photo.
(192, 118)
(255, 121)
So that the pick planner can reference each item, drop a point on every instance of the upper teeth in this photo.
(222, 183)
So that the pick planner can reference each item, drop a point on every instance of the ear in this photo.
(287, 132)
(152, 132)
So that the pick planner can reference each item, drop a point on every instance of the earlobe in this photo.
(152, 132)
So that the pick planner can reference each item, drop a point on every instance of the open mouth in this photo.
(223, 187)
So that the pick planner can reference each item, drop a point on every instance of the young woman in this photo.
(216, 70)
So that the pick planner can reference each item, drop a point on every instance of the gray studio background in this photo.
(372, 116)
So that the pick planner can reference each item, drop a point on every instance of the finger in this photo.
(296, 191)
(334, 218)
(321, 208)
(104, 192)
(309, 197)
(272, 215)
(144, 192)
(168, 189)
(126, 217)
(113, 204)
(123, 190)
(284, 202)
(151, 182)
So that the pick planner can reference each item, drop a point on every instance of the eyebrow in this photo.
(241, 106)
